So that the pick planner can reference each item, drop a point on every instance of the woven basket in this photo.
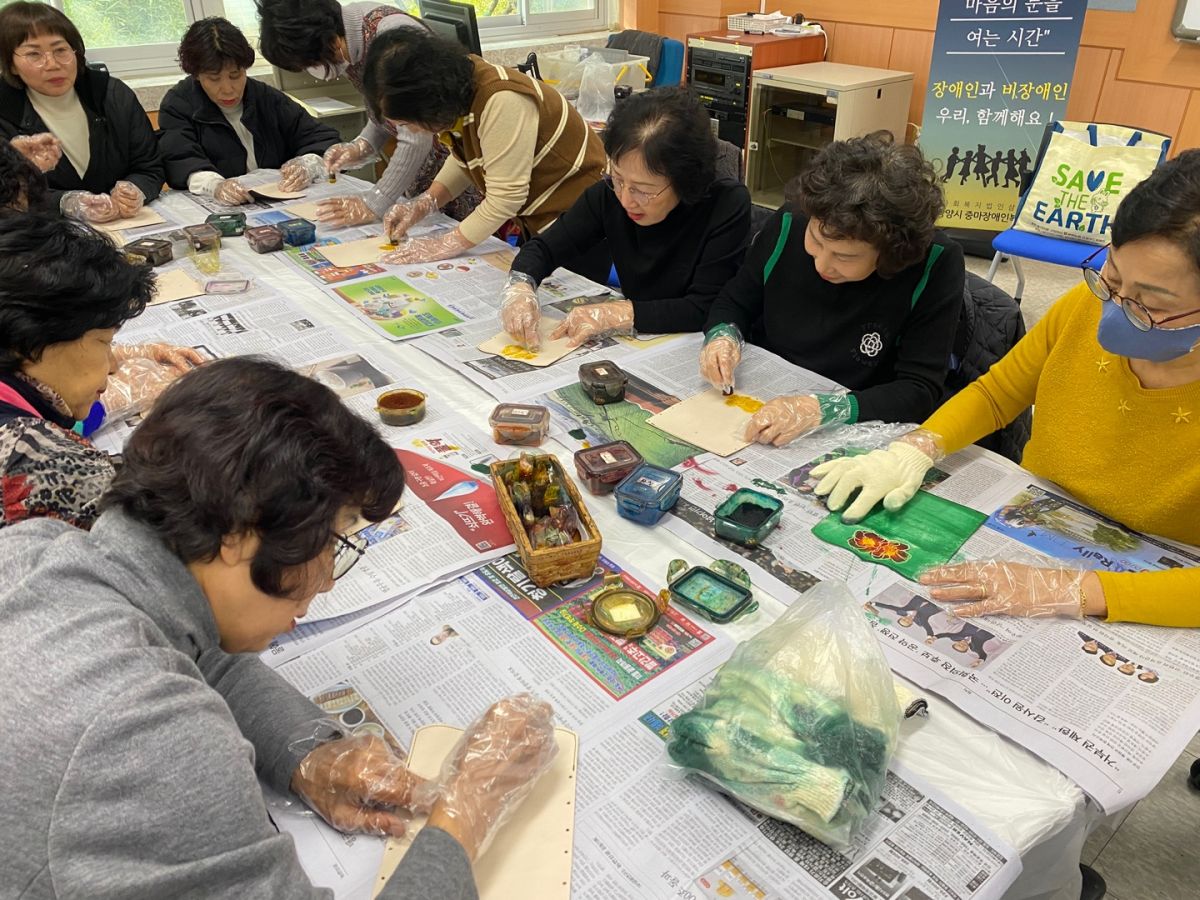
(550, 565)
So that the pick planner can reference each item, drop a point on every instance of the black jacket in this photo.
(122, 141)
(671, 271)
(886, 339)
(194, 135)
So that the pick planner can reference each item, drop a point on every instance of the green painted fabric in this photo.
(927, 531)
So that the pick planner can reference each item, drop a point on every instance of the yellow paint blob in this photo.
(744, 403)
(516, 351)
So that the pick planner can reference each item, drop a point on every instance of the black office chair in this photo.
(530, 67)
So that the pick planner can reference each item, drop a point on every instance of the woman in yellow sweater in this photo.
(1116, 383)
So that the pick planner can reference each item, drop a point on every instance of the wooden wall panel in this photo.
(912, 52)
(918, 14)
(1091, 67)
(1189, 131)
(675, 25)
(861, 45)
(1149, 106)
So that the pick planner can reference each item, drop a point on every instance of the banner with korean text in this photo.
(1001, 73)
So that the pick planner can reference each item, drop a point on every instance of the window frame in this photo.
(146, 60)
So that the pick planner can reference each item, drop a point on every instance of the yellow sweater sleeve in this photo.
(999, 395)
(1155, 598)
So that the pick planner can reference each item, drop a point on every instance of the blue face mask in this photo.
(1118, 335)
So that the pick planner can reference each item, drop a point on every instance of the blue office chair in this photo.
(1016, 245)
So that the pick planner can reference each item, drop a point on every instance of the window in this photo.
(142, 36)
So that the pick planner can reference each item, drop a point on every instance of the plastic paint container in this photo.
(747, 516)
(603, 467)
(603, 381)
(521, 424)
(297, 232)
(400, 407)
(715, 598)
(264, 238)
(647, 492)
(229, 224)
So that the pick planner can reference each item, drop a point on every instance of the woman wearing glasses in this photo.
(110, 164)
(676, 233)
(152, 711)
(1114, 370)
(851, 280)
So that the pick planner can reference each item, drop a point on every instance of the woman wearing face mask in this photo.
(218, 124)
(65, 290)
(110, 164)
(852, 281)
(676, 233)
(1114, 369)
(330, 40)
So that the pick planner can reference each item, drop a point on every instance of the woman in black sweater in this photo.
(852, 281)
(218, 124)
(675, 232)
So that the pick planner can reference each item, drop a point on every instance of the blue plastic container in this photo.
(297, 232)
(647, 492)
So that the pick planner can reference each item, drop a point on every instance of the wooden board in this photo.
(504, 346)
(711, 421)
(303, 210)
(355, 253)
(531, 853)
(274, 192)
(175, 285)
(144, 217)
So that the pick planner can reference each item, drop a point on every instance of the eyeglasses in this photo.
(349, 550)
(618, 184)
(38, 60)
(1139, 317)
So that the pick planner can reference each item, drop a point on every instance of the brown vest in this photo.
(567, 158)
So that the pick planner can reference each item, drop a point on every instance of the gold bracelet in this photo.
(1082, 602)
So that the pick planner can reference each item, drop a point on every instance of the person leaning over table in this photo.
(152, 717)
(217, 124)
(1115, 384)
(330, 40)
(514, 138)
(22, 186)
(676, 233)
(65, 290)
(110, 164)
(851, 280)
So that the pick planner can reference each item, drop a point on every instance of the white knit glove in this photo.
(893, 475)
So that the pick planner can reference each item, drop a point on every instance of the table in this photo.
(1023, 799)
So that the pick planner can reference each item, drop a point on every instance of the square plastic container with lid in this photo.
(712, 596)
(297, 232)
(747, 516)
(648, 492)
(229, 224)
(521, 424)
(603, 381)
(605, 466)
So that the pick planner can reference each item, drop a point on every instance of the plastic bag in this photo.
(802, 721)
(596, 98)
(135, 386)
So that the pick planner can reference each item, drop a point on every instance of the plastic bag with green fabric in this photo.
(802, 720)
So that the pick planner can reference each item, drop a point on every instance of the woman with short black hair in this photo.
(110, 164)
(675, 231)
(852, 280)
(1114, 368)
(217, 123)
(22, 186)
(65, 290)
(513, 138)
(155, 714)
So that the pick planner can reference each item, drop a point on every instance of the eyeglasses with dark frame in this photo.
(349, 550)
(1139, 317)
(617, 184)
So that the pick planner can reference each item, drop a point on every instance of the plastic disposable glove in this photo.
(1009, 589)
(492, 769)
(128, 197)
(721, 355)
(359, 784)
(299, 173)
(348, 155)
(43, 150)
(87, 207)
(893, 475)
(340, 212)
(594, 320)
(180, 359)
(230, 192)
(428, 248)
(782, 420)
(520, 313)
(136, 386)
(407, 213)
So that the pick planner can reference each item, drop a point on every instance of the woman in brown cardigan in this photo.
(516, 139)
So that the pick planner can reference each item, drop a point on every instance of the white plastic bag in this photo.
(596, 98)
(802, 720)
